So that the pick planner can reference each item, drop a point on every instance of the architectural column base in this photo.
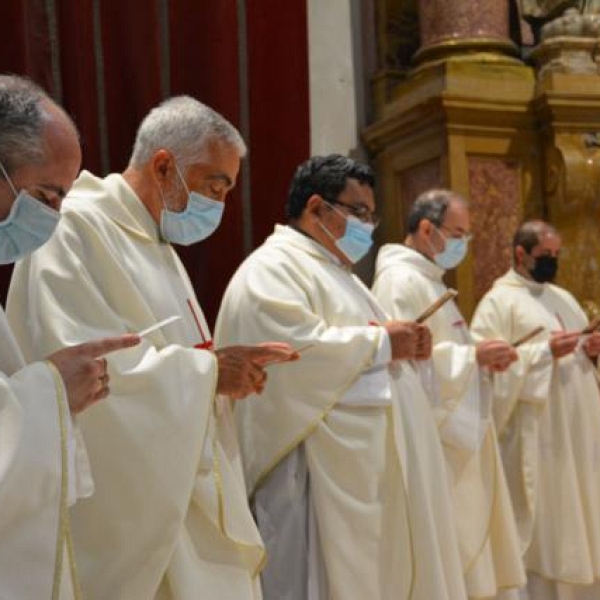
(476, 49)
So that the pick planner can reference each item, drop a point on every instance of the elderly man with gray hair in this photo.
(169, 518)
(43, 467)
(408, 279)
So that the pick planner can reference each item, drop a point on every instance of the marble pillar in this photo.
(455, 29)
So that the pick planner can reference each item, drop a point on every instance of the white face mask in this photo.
(454, 252)
(199, 220)
(29, 225)
(357, 239)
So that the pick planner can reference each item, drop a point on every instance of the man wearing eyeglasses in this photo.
(408, 279)
(343, 462)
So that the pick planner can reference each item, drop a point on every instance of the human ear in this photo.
(163, 166)
(520, 255)
(315, 206)
(426, 228)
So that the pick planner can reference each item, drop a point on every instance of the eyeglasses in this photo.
(467, 237)
(360, 211)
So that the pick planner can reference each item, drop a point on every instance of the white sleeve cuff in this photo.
(383, 355)
(373, 388)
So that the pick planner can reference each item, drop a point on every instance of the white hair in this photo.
(21, 122)
(183, 126)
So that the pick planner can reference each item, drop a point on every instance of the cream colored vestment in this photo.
(169, 518)
(548, 419)
(39, 477)
(355, 438)
(406, 283)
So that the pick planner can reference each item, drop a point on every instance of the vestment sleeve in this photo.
(528, 379)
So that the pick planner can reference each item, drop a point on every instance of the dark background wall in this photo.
(108, 62)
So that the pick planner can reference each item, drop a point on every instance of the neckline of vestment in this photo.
(117, 200)
(394, 255)
(288, 234)
(514, 279)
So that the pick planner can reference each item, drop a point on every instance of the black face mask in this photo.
(545, 268)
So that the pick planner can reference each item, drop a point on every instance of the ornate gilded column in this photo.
(454, 28)
(462, 119)
(568, 110)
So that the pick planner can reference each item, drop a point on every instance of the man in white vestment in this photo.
(169, 518)
(408, 279)
(341, 454)
(43, 467)
(547, 413)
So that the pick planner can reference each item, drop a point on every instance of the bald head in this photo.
(39, 144)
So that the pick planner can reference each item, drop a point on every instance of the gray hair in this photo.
(21, 122)
(431, 205)
(183, 126)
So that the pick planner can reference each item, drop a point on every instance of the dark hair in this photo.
(529, 234)
(431, 205)
(21, 120)
(326, 176)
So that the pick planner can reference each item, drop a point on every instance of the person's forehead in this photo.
(356, 192)
(218, 150)
(456, 213)
(549, 241)
(60, 163)
(220, 158)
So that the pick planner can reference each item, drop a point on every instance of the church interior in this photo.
(500, 104)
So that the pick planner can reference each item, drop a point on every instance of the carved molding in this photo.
(572, 187)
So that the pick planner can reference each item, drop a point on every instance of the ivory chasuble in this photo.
(169, 518)
(340, 451)
(406, 283)
(547, 414)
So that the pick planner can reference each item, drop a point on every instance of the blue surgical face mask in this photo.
(357, 239)
(454, 252)
(29, 225)
(199, 220)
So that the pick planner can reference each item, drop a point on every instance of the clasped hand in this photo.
(409, 340)
(496, 355)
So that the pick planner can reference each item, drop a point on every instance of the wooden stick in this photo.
(445, 297)
(303, 348)
(528, 336)
(593, 325)
(298, 350)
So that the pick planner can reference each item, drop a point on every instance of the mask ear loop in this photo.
(431, 247)
(162, 194)
(332, 207)
(162, 197)
(331, 236)
(182, 179)
(185, 186)
(337, 210)
(8, 179)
